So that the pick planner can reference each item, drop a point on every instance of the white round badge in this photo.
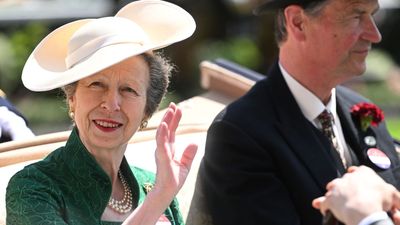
(370, 141)
(378, 158)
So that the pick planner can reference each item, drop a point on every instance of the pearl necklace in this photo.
(125, 205)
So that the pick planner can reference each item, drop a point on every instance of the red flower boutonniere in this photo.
(367, 114)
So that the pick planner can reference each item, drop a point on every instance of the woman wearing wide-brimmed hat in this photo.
(113, 83)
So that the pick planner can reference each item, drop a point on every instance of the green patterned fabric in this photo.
(69, 187)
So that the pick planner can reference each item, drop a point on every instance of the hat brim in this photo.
(164, 23)
(269, 6)
(273, 5)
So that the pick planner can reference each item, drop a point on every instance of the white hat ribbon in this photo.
(85, 47)
(81, 46)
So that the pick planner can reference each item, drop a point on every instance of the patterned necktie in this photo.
(327, 122)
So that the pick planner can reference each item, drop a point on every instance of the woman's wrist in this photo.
(162, 194)
(152, 207)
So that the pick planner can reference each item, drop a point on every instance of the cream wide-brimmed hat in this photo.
(84, 47)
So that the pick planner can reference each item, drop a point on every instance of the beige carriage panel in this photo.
(222, 85)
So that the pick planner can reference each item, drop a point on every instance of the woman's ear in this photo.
(295, 21)
(71, 103)
(143, 123)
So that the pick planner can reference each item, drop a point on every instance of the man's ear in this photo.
(295, 21)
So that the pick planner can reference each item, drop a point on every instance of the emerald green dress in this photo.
(69, 187)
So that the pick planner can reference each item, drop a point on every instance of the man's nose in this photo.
(371, 31)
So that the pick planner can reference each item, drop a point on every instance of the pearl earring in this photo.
(143, 124)
(72, 115)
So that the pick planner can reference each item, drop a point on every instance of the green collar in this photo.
(90, 178)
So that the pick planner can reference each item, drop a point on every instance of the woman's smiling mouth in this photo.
(107, 125)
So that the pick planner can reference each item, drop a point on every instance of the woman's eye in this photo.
(130, 91)
(96, 84)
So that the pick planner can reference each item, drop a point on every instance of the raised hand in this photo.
(172, 169)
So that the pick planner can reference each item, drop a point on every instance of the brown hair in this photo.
(312, 9)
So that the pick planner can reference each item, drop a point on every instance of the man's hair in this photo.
(312, 9)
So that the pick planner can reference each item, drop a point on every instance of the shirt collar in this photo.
(310, 105)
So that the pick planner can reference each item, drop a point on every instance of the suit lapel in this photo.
(350, 131)
(355, 137)
(304, 139)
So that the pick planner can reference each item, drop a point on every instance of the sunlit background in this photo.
(225, 29)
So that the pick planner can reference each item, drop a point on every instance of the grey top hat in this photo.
(270, 5)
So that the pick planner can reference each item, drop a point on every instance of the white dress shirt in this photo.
(311, 106)
(375, 217)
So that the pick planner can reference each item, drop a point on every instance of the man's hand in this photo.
(358, 194)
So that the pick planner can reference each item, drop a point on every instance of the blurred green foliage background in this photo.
(225, 29)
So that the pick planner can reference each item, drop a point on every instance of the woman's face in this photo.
(109, 105)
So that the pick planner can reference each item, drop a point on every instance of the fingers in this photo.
(174, 122)
(188, 155)
(395, 216)
(172, 117)
(162, 131)
(163, 149)
(165, 136)
(348, 194)
(396, 199)
(169, 114)
(332, 184)
(360, 169)
(316, 203)
(320, 203)
(162, 134)
(352, 169)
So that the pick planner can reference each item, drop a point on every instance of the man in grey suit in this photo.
(360, 197)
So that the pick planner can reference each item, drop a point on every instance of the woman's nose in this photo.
(111, 101)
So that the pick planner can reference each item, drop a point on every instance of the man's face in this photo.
(340, 38)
